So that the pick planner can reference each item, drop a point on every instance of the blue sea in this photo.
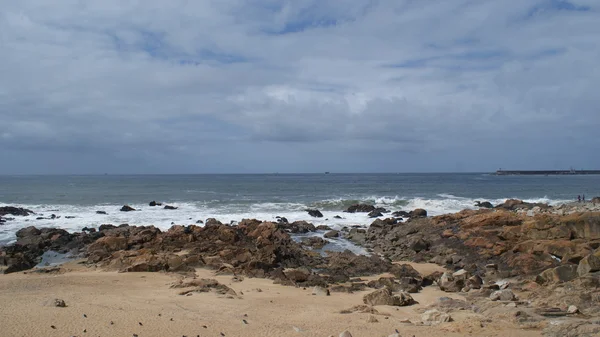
(265, 196)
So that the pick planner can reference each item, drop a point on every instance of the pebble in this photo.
(140, 323)
(245, 322)
(53, 327)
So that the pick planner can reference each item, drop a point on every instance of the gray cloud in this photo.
(304, 85)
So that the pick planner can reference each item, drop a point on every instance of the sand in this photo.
(127, 299)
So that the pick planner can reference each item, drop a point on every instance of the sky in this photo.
(251, 86)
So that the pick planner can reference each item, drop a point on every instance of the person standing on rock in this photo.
(579, 198)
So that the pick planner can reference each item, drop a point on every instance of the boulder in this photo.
(484, 204)
(385, 297)
(449, 284)
(559, 274)
(16, 211)
(375, 214)
(301, 227)
(314, 242)
(314, 213)
(419, 244)
(170, 207)
(503, 295)
(127, 208)
(418, 213)
(588, 264)
(59, 303)
(332, 234)
(154, 203)
(435, 317)
(401, 214)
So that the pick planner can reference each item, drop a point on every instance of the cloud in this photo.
(410, 85)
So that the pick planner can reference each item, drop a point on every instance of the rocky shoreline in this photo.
(533, 265)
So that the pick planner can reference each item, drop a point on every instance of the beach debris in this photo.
(84, 330)
(59, 303)
(84, 316)
(53, 327)
(245, 321)
(112, 323)
(171, 319)
(205, 327)
(222, 334)
(140, 323)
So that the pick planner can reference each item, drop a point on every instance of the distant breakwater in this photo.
(546, 172)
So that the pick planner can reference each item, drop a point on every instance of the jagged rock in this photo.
(60, 303)
(314, 213)
(484, 204)
(332, 234)
(588, 264)
(301, 227)
(448, 283)
(503, 295)
(474, 282)
(15, 211)
(559, 274)
(314, 242)
(375, 214)
(461, 275)
(385, 297)
(435, 317)
(127, 208)
(419, 245)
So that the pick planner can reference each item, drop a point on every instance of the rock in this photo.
(332, 234)
(314, 242)
(297, 275)
(559, 274)
(572, 309)
(435, 317)
(596, 200)
(588, 264)
(16, 211)
(101, 212)
(474, 282)
(419, 245)
(461, 275)
(375, 214)
(127, 208)
(448, 283)
(503, 295)
(345, 334)
(282, 220)
(323, 228)
(484, 204)
(360, 208)
(418, 213)
(337, 217)
(301, 227)
(60, 303)
(154, 203)
(314, 213)
(385, 297)
(28, 231)
(320, 291)
(401, 214)
(170, 207)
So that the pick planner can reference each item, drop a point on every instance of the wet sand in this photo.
(128, 299)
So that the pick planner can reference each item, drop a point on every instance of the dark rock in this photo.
(323, 228)
(300, 227)
(418, 213)
(337, 217)
(127, 208)
(314, 242)
(314, 213)
(69, 217)
(282, 220)
(154, 203)
(15, 211)
(375, 214)
(484, 204)
(419, 244)
(199, 222)
(101, 212)
(402, 214)
(364, 208)
(170, 207)
(332, 234)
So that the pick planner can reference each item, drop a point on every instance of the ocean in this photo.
(264, 196)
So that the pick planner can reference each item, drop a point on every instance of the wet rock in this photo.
(154, 203)
(301, 227)
(170, 207)
(401, 214)
(101, 212)
(364, 208)
(435, 317)
(332, 234)
(503, 295)
(418, 213)
(15, 211)
(484, 204)
(588, 264)
(314, 242)
(127, 208)
(337, 217)
(375, 214)
(323, 228)
(314, 213)
(385, 297)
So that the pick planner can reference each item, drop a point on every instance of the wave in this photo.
(190, 212)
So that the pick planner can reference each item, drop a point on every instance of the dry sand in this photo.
(128, 299)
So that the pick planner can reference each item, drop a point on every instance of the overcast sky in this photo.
(182, 86)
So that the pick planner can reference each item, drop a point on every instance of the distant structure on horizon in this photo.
(572, 171)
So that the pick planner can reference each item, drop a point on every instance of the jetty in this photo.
(545, 172)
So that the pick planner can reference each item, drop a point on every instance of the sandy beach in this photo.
(128, 299)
